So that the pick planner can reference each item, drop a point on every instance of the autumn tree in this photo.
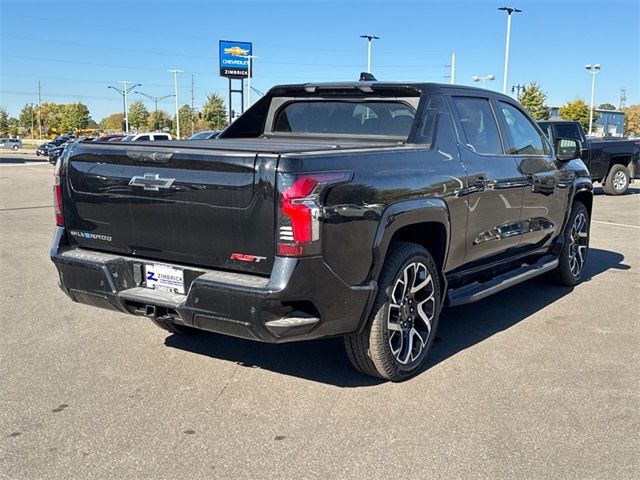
(159, 119)
(51, 115)
(632, 120)
(138, 115)
(214, 112)
(578, 111)
(533, 99)
(113, 122)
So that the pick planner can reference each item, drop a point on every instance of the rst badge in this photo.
(242, 257)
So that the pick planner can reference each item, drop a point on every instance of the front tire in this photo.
(576, 246)
(404, 319)
(617, 181)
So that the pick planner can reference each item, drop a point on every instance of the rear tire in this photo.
(617, 181)
(174, 328)
(575, 249)
(404, 319)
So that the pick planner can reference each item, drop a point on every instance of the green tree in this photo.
(632, 120)
(606, 106)
(28, 118)
(214, 112)
(533, 99)
(578, 111)
(138, 115)
(158, 120)
(113, 122)
(75, 116)
(14, 126)
(186, 118)
(4, 121)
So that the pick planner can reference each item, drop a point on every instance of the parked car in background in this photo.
(108, 138)
(10, 143)
(205, 135)
(613, 162)
(148, 136)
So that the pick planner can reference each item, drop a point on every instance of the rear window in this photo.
(348, 118)
(567, 130)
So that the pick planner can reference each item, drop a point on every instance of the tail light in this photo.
(57, 195)
(300, 210)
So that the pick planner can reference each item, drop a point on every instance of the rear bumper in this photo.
(303, 299)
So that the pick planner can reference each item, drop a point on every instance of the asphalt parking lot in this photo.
(536, 382)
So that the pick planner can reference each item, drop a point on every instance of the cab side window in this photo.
(479, 128)
(522, 136)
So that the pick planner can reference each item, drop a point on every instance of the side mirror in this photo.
(567, 149)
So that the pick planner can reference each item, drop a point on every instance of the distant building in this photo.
(610, 123)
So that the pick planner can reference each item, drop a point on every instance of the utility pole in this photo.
(517, 88)
(509, 11)
(249, 75)
(193, 100)
(175, 87)
(39, 110)
(369, 38)
(623, 98)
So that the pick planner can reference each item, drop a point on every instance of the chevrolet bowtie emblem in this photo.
(151, 181)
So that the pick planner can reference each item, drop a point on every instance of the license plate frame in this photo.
(162, 277)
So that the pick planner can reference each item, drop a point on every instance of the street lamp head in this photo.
(370, 37)
(588, 66)
(510, 10)
(597, 67)
(491, 77)
(476, 78)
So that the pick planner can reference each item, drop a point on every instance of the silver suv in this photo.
(12, 143)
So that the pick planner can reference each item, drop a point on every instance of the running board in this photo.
(477, 291)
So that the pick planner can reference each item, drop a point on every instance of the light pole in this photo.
(593, 70)
(249, 72)
(124, 91)
(477, 78)
(369, 38)
(509, 11)
(175, 86)
(155, 101)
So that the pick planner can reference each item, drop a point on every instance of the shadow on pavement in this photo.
(460, 328)
(632, 190)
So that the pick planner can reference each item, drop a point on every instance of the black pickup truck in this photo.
(613, 163)
(346, 209)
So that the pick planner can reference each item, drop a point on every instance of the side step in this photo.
(477, 291)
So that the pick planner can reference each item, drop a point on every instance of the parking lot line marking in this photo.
(24, 208)
(615, 224)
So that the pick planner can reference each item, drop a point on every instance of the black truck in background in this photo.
(347, 209)
(614, 163)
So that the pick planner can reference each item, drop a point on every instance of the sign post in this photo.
(235, 58)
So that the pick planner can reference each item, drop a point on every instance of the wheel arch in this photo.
(422, 221)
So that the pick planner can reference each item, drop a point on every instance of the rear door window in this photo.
(479, 128)
(143, 137)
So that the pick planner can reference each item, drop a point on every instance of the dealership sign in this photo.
(234, 59)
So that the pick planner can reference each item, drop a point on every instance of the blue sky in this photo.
(77, 48)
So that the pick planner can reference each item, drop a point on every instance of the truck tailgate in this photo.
(185, 205)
